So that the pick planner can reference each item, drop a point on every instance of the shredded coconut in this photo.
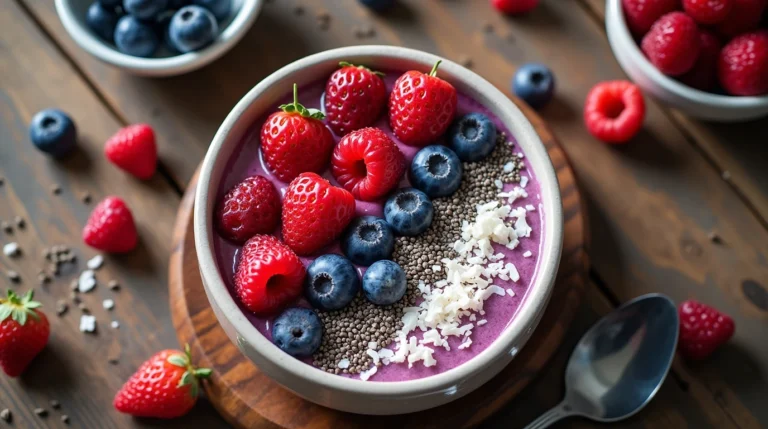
(527, 254)
(108, 304)
(115, 324)
(343, 364)
(524, 181)
(11, 249)
(365, 375)
(87, 323)
(86, 282)
(95, 263)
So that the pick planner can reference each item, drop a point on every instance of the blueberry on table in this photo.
(408, 211)
(472, 137)
(219, 8)
(102, 21)
(298, 332)
(436, 170)
(53, 131)
(331, 283)
(378, 5)
(384, 283)
(368, 239)
(534, 84)
(145, 9)
(134, 37)
(192, 28)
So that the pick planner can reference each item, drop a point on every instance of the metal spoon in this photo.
(620, 363)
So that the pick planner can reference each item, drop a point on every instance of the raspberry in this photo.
(743, 64)
(672, 45)
(703, 75)
(641, 14)
(134, 150)
(614, 111)
(251, 207)
(514, 7)
(110, 227)
(707, 11)
(744, 16)
(702, 329)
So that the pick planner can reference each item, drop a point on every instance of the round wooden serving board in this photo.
(246, 398)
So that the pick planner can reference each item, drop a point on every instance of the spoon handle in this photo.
(559, 411)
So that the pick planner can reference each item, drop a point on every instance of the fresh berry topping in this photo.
(367, 240)
(534, 84)
(135, 37)
(332, 282)
(269, 275)
(110, 227)
(421, 106)
(251, 207)
(192, 28)
(145, 9)
(314, 213)
(472, 137)
(408, 211)
(355, 96)
(53, 132)
(111, 4)
(298, 332)
(384, 283)
(703, 75)
(219, 8)
(744, 16)
(702, 329)
(614, 111)
(436, 171)
(24, 332)
(707, 11)
(164, 387)
(177, 4)
(641, 14)
(134, 150)
(367, 163)
(743, 64)
(672, 45)
(295, 140)
(514, 7)
(102, 21)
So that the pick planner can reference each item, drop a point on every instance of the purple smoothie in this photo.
(500, 310)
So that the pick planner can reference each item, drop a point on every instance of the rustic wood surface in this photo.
(651, 203)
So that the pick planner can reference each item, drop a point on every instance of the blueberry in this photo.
(378, 5)
(408, 211)
(298, 332)
(368, 239)
(111, 4)
(472, 137)
(331, 282)
(161, 26)
(384, 283)
(145, 9)
(134, 37)
(436, 170)
(192, 28)
(102, 21)
(219, 8)
(177, 4)
(534, 84)
(53, 132)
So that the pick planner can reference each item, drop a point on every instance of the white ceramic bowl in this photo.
(353, 395)
(699, 104)
(72, 14)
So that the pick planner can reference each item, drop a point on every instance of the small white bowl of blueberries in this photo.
(157, 37)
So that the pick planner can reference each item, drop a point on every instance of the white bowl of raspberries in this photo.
(157, 37)
(706, 58)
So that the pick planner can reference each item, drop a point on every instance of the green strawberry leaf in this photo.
(20, 316)
(5, 311)
(346, 64)
(187, 378)
(297, 107)
(20, 309)
(203, 372)
(178, 360)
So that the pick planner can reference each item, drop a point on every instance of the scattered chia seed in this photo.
(41, 412)
(86, 198)
(20, 223)
(487, 27)
(74, 285)
(714, 237)
(43, 278)
(726, 175)
(113, 361)
(298, 10)
(6, 415)
(83, 308)
(65, 419)
(13, 276)
(466, 61)
(2, 181)
(56, 189)
(113, 285)
(73, 296)
(7, 227)
(61, 307)
(55, 404)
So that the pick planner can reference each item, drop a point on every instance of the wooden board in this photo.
(248, 399)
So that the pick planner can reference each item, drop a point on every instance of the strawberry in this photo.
(743, 64)
(354, 98)
(24, 332)
(421, 106)
(367, 163)
(269, 275)
(251, 207)
(134, 150)
(110, 227)
(314, 213)
(295, 140)
(165, 386)
(702, 329)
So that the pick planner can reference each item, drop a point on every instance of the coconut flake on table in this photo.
(87, 281)
(87, 323)
(115, 324)
(95, 263)
(11, 249)
(108, 304)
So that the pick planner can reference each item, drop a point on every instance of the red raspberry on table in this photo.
(703, 75)
(355, 96)
(641, 14)
(745, 15)
(251, 207)
(743, 64)
(295, 140)
(314, 213)
(614, 111)
(367, 163)
(672, 44)
(133, 149)
(24, 332)
(515, 7)
(421, 106)
(269, 275)
(110, 227)
(702, 329)
(707, 11)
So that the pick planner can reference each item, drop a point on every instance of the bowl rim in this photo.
(228, 37)
(615, 13)
(520, 327)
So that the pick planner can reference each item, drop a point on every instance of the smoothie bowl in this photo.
(378, 243)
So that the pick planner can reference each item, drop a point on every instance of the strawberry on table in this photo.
(251, 207)
(133, 149)
(24, 332)
(110, 227)
(165, 386)
(367, 163)
(421, 106)
(295, 140)
(355, 96)
(314, 213)
(702, 329)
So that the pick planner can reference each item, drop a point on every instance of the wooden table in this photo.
(652, 204)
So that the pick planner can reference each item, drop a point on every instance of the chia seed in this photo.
(6, 415)
(7, 227)
(20, 223)
(41, 412)
(55, 189)
(14, 277)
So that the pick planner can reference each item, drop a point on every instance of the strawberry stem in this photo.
(297, 107)
(346, 64)
(192, 375)
(19, 308)
(433, 73)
